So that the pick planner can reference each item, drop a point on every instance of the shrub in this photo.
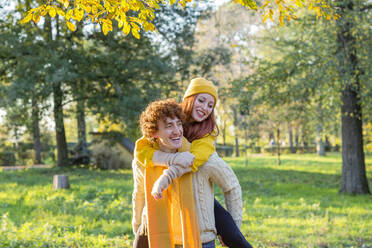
(109, 156)
(287, 149)
(7, 158)
(224, 151)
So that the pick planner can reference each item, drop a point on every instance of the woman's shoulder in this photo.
(215, 159)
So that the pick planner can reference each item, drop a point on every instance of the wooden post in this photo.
(61, 182)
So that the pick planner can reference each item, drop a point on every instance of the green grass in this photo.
(293, 205)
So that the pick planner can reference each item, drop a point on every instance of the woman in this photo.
(200, 129)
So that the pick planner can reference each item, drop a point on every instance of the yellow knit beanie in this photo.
(201, 85)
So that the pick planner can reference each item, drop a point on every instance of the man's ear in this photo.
(155, 135)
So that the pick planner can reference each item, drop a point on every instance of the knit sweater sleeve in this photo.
(202, 149)
(138, 195)
(222, 174)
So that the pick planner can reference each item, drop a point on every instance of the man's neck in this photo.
(166, 149)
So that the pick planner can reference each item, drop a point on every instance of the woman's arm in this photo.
(144, 151)
(202, 149)
(148, 154)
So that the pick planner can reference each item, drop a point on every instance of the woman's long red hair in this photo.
(192, 129)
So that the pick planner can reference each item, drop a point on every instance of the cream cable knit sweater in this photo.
(215, 170)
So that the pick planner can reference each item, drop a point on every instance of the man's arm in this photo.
(138, 195)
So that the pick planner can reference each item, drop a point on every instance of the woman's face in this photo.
(203, 107)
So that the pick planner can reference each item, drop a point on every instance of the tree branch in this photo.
(365, 7)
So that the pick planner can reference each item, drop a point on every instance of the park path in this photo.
(22, 167)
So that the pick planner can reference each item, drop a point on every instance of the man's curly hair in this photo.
(159, 110)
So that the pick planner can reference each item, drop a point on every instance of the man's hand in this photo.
(220, 239)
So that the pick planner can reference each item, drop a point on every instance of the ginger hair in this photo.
(157, 111)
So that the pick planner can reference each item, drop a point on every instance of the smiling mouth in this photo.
(201, 113)
(176, 139)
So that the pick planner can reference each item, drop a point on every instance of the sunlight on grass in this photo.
(295, 204)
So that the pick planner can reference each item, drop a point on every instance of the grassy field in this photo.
(293, 205)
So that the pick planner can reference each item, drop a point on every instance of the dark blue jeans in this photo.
(227, 229)
(209, 245)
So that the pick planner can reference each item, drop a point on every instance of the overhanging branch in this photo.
(365, 7)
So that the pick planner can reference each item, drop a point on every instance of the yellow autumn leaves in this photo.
(286, 9)
(101, 12)
(104, 12)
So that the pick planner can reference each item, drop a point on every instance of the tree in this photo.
(21, 69)
(307, 58)
(134, 15)
(354, 179)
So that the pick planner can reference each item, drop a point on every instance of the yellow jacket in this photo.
(201, 148)
(172, 219)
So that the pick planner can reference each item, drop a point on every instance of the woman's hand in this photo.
(220, 239)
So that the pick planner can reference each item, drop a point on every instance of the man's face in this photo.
(170, 133)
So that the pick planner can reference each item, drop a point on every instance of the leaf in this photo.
(36, 17)
(87, 8)
(126, 28)
(69, 14)
(27, 18)
(148, 26)
(52, 12)
(105, 29)
(251, 4)
(120, 23)
(44, 11)
(135, 33)
(60, 12)
(281, 20)
(71, 26)
(94, 10)
(318, 11)
(66, 3)
(271, 12)
(78, 14)
(265, 18)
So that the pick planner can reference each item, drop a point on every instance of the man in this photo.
(161, 123)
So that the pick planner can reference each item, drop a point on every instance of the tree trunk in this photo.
(271, 136)
(278, 144)
(245, 143)
(59, 126)
(236, 146)
(61, 182)
(36, 131)
(290, 138)
(353, 179)
(303, 135)
(320, 149)
(82, 151)
(296, 136)
(235, 114)
(224, 133)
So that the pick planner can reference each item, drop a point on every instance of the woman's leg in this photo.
(141, 239)
(227, 229)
